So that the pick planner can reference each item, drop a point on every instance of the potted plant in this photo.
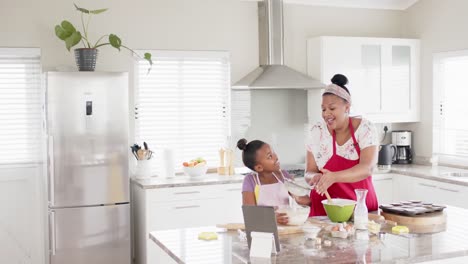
(86, 57)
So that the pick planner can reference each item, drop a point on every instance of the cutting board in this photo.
(282, 230)
(420, 224)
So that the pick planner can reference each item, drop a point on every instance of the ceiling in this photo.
(372, 4)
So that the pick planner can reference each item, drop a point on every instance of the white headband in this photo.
(338, 91)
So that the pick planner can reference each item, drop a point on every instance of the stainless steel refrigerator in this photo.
(88, 179)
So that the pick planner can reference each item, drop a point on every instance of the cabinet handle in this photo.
(187, 206)
(177, 193)
(233, 189)
(449, 190)
(427, 185)
(52, 244)
(51, 171)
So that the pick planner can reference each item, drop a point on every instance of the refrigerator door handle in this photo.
(52, 232)
(51, 170)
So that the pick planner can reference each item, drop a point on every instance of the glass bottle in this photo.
(360, 212)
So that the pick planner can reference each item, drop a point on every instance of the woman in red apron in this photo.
(341, 152)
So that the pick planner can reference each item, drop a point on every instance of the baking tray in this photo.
(412, 208)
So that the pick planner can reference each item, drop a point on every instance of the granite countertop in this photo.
(436, 173)
(421, 171)
(183, 181)
(183, 246)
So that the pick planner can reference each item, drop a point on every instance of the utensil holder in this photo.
(143, 169)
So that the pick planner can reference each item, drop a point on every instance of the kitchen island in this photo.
(183, 246)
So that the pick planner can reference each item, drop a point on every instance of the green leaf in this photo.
(61, 33)
(83, 10)
(64, 30)
(115, 41)
(148, 58)
(74, 39)
(98, 11)
(68, 27)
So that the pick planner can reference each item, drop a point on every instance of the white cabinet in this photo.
(383, 185)
(383, 75)
(180, 207)
(403, 188)
(394, 187)
(441, 192)
(426, 190)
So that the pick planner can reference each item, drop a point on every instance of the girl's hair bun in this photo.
(242, 144)
(340, 80)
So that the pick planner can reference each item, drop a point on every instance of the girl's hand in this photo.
(281, 218)
(325, 182)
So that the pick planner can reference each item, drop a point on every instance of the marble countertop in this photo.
(183, 246)
(436, 173)
(182, 181)
(420, 171)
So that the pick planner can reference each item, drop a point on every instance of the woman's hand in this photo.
(325, 181)
(281, 218)
(312, 177)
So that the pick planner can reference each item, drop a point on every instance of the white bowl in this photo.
(310, 231)
(296, 216)
(296, 189)
(196, 171)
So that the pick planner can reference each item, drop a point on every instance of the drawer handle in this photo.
(449, 190)
(187, 206)
(427, 185)
(234, 189)
(186, 192)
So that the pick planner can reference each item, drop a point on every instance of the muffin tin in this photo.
(411, 208)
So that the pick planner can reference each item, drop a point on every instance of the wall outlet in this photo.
(382, 136)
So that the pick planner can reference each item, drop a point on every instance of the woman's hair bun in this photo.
(242, 144)
(340, 80)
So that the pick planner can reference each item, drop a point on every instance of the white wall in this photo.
(184, 24)
(303, 21)
(441, 26)
(142, 24)
(22, 211)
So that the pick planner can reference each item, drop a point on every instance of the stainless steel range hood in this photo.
(272, 73)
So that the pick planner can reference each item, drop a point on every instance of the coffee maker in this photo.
(402, 140)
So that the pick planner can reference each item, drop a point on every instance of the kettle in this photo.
(387, 154)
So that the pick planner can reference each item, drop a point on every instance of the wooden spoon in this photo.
(328, 197)
(141, 154)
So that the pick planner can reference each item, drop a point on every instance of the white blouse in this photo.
(319, 142)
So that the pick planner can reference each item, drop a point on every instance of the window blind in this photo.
(240, 112)
(450, 107)
(182, 104)
(20, 106)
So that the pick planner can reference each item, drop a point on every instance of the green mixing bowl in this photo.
(340, 210)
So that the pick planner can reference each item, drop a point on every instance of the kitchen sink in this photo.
(455, 174)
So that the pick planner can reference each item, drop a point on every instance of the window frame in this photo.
(186, 54)
(31, 52)
(438, 105)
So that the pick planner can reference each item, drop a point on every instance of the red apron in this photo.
(342, 189)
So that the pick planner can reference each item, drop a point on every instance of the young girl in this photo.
(265, 186)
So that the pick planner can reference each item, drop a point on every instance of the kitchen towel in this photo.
(168, 166)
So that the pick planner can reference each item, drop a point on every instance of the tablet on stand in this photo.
(260, 219)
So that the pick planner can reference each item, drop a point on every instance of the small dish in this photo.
(339, 234)
(311, 231)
